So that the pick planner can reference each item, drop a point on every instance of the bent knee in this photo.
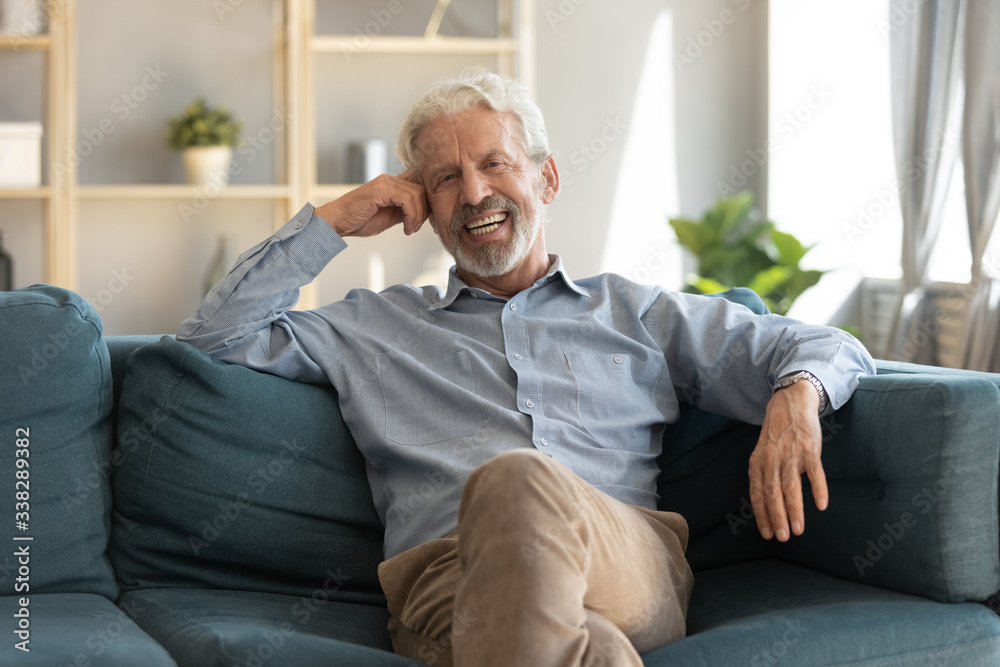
(511, 467)
(522, 474)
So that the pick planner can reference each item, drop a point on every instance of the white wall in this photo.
(699, 70)
(637, 135)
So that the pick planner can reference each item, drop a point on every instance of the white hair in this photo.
(474, 88)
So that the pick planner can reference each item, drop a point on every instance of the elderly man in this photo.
(523, 410)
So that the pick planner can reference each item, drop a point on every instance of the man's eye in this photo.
(446, 178)
(493, 163)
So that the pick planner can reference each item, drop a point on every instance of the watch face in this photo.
(789, 380)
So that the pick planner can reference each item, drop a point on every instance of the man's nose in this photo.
(475, 188)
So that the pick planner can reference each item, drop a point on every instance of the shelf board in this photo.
(43, 192)
(350, 44)
(16, 43)
(183, 192)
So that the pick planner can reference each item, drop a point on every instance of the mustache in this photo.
(465, 213)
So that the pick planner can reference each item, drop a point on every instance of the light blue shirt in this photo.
(434, 384)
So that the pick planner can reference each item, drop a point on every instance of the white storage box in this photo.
(20, 155)
(24, 18)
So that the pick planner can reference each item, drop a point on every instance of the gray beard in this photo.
(495, 258)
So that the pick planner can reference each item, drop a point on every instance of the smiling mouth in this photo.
(487, 224)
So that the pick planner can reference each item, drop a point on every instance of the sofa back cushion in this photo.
(55, 440)
(230, 478)
(703, 477)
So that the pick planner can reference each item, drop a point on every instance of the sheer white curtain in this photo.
(926, 58)
(981, 161)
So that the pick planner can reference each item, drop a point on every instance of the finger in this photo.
(817, 479)
(413, 203)
(791, 487)
(774, 501)
(412, 212)
(757, 497)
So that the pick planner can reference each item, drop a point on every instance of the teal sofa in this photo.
(182, 511)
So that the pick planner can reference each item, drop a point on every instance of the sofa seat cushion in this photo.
(233, 479)
(77, 629)
(768, 612)
(55, 428)
(202, 628)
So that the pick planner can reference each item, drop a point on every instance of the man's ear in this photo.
(550, 180)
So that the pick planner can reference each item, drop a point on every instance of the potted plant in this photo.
(735, 248)
(206, 137)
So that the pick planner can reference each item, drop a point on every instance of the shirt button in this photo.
(543, 442)
(618, 360)
(473, 295)
(297, 224)
(513, 306)
(529, 403)
(518, 356)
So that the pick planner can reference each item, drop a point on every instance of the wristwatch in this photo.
(792, 378)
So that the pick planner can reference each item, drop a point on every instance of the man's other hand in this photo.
(379, 204)
(790, 443)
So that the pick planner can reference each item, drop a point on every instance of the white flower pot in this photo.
(207, 165)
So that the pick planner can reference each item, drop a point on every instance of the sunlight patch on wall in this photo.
(640, 244)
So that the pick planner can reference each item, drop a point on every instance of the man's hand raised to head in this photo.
(376, 206)
(790, 443)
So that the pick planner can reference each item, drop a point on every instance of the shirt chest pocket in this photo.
(617, 397)
(429, 401)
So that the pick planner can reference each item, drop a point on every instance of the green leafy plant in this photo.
(202, 125)
(736, 248)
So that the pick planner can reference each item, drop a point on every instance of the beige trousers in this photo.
(544, 571)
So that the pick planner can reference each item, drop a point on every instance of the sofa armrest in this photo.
(912, 466)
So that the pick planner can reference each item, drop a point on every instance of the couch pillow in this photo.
(230, 478)
(55, 439)
(702, 450)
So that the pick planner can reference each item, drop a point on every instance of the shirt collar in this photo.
(456, 286)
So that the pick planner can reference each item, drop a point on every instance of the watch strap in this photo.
(792, 378)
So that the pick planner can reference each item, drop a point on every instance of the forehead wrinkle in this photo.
(460, 133)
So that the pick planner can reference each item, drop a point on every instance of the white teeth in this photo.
(488, 224)
(483, 230)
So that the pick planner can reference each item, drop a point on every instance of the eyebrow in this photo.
(492, 153)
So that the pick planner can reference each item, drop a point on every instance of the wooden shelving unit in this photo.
(59, 230)
(182, 192)
(295, 47)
